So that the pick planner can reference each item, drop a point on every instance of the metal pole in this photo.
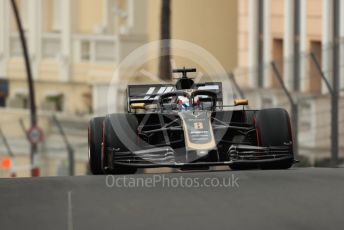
(237, 87)
(334, 111)
(29, 80)
(22, 125)
(7, 146)
(10, 153)
(322, 75)
(335, 83)
(165, 36)
(261, 38)
(297, 22)
(294, 110)
(69, 147)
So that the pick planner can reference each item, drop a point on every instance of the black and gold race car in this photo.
(187, 126)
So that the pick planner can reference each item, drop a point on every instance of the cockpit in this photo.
(188, 100)
(184, 95)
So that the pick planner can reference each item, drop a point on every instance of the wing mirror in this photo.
(240, 102)
(137, 105)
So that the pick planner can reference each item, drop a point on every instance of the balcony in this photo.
(95, 48)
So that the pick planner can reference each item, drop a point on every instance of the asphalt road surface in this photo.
(310, 198)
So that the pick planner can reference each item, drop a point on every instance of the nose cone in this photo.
(198, 131)
(202, 155)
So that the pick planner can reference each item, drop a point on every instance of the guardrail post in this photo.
(69, 147)
(294, 110)
(237, 87)
(13, 172)
(334, 112)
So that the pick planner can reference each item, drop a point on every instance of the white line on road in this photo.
(70, 214)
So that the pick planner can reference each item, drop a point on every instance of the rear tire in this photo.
(120, 129)
(95, 130)
(273, 127)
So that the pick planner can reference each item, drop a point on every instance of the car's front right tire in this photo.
(95, 130)
(118, 129)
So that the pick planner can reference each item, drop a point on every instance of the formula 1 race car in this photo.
(186, 126)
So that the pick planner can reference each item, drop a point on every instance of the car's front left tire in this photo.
(273, 128)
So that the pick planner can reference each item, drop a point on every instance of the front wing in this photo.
(165, 156)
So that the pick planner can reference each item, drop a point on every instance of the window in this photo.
(54, 102)
(85, 50)
(104, 51)
(21, 100)
(3, 92)
(51, 46)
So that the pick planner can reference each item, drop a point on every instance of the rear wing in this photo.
(150, 93)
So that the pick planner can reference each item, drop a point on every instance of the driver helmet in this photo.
(183, 102)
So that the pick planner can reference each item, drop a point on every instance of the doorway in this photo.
(314, 75)
(277, 54)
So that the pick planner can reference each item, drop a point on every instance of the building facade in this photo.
(74, 47)
(282, 31)
(298, 37)
(213, 25)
